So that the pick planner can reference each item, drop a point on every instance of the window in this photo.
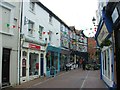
(61, 27)
(5, 16)
(40, 32)
(32, 6)
(33, 64)
(103, 62)
(24, 53)
(30, 27)
(50, 35)
(108, 63)
(50, 19)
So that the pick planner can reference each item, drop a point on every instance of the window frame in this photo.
(50, 18)
(30, 29)
(40, 31)
(32, 6)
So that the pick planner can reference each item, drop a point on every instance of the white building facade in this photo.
(9, 42)
(40, 32)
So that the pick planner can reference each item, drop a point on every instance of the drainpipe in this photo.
(19, 43)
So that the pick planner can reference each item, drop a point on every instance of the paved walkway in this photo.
(91, 79)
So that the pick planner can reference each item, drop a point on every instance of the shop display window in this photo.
(24, 54)
(33, 64)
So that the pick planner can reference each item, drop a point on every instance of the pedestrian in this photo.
(81, 61)
(84, 64)
(77, 63)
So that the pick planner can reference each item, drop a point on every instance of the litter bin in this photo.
(52, 71)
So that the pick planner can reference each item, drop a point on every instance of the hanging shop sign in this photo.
(103, 34)
(33, 46)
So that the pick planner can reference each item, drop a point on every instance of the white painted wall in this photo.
(0, 60)
(0, 50)
(10, 40)
(41, 17)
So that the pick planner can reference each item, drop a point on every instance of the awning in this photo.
(54, 49)
(104, 29)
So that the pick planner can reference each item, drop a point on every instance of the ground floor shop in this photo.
(107, 64)
(104, 38)
(79, 55)
(64, 58)
(52, 61)
(32, 63)
(117, 57)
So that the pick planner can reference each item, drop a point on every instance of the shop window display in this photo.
(48, 55)
(24, 54)
(33, 64)
(108, 63)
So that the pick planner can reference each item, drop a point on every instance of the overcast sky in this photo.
(78, 13)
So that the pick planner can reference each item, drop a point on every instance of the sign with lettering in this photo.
(33, 46)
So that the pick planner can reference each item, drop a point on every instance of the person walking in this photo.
(81, 61)
(84, 64)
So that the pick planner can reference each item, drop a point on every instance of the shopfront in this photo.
(52, 60)
(64, 58)
(104, 38)
(116, 26)
(32, 62)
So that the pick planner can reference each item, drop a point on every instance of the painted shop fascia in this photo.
(103, 36)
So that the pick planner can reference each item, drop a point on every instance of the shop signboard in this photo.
(33, 46)
(103, 34)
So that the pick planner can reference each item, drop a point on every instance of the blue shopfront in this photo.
(52, 61)
(104, 38)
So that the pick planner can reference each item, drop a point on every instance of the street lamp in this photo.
(93, 20)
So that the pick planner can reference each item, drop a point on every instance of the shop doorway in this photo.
(42, 64)
(5, 67)
(117, 77)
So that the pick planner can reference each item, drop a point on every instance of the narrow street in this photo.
(72, 79)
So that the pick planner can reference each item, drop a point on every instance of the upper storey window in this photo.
(50, 19)
(32, 5)
(5, 21)
(30, 27)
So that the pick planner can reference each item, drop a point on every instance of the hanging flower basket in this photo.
(106, 42)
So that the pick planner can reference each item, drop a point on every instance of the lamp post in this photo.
(93, 20)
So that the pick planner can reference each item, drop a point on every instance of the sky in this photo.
(78, 13)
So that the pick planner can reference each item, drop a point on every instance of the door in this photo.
(42, 64)
(5, 66)
(117, 73)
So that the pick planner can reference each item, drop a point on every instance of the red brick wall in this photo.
(91, 48)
